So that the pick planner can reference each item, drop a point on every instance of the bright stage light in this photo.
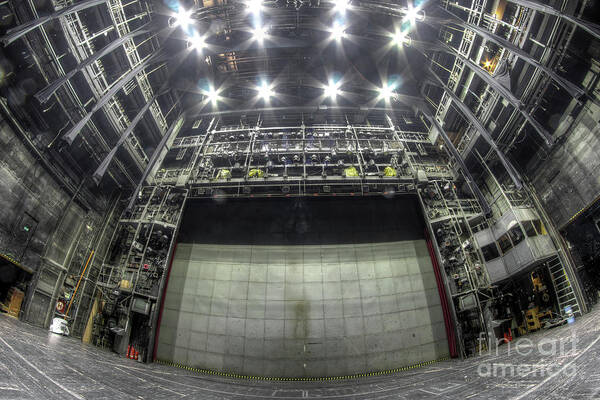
(265, 91)
(254, 6)
(332, 90)
(197, 42)
(260, 34)
(212, 95)
(183, 18)
(400, 38)
(415, 14)
(337, 31)
(341, 5)
(386, 92)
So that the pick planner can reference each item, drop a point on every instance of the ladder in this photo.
(562, 287)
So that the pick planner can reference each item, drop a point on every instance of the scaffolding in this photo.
(299, 160)
(81, 43)
(133, 274)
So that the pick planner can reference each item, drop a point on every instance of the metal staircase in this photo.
(562, 287)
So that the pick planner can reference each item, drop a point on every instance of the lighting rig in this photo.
(294, 160)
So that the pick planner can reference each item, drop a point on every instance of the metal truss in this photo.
(142, 245)
(302, 160)
(514, 174)
(118, 85)
(505, 92)
(458, 158)
(589, 27)
(158, 153)
(101, 170)
(450, 219)
(465, 47)
(19, 31)
(80, 41)
(117, 13)
(69, 101)
(568, 86)
(45, 94)
(536, 84)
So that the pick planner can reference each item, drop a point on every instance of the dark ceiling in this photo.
(214, 64)
(298, 56)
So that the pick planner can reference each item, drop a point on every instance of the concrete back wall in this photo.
(313, 310)
(30, 196)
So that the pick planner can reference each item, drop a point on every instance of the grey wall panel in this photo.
(496, 269)
(25, 189)
(504, 223)
(30, 197)
(541, 246)
(526, 214)
(569, 179)
(302, 310)
(484, 237)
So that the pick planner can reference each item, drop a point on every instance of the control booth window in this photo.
(534, 228)
(490, 252)
(516, 234)
(505, 243)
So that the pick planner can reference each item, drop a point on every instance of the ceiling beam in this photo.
(101, 170)
(298, 109)
(171, 133)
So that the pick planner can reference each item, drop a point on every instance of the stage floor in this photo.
(562, 363)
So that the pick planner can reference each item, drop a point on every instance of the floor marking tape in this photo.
(327, 378)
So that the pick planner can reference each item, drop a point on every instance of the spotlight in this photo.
(386, 92)
(260, 34)
(183, 18)
(197, 42)
(212, 95)
(337, 31)
(400, 38)
(341, 5)
(265, 91)
(254, 6)
(415, 14)
(332, 90)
